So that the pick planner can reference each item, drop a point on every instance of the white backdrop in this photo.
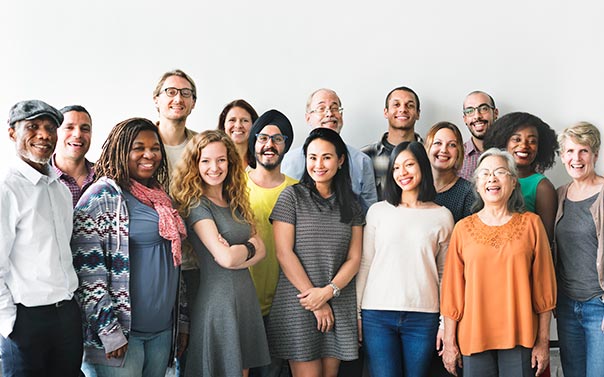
(543, 57)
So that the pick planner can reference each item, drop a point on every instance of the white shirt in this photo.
(35, 230)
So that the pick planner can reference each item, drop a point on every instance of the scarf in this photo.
(171, 226)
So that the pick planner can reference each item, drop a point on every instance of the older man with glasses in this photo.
(479, 113)
(324, 109)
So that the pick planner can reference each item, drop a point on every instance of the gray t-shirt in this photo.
(577, 251)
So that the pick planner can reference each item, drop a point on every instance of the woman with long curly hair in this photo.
(209, 188)
(126, 247)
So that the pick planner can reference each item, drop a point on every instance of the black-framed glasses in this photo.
(482, 109)
(277, 138)
(323, 109)
(184, 92)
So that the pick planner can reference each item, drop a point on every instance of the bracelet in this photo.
(251, 250)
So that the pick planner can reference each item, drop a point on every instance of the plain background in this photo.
(543, 57)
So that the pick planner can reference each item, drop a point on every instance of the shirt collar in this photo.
(32, 174)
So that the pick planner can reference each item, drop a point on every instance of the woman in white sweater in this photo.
(404, 246)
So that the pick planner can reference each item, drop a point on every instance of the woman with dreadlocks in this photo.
(126, 245)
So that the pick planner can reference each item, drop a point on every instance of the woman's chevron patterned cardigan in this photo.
(100, 256)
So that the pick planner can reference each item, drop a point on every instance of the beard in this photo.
(270, 165)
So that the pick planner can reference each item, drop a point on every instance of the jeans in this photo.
(45, 341)
(148, 355)
(581, 336)
(399, 343)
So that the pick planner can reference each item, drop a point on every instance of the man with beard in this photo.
(270, 138)
(479, 113)
(69, 160)
(175, 96)
(40, 321)
(324, 109)
(402, 111)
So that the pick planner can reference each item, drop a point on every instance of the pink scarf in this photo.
(171, 226)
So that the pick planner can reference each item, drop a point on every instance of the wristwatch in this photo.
(336, 290)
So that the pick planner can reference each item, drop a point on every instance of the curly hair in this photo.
(187, 186)
(498, 135)
(113, 162)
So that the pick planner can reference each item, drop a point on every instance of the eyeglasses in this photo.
(482, 109)
(184, 92)
(277, 138)
(323, 109)
(484, 174)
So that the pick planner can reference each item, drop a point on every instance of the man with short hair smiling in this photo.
(270, 138)
(479, 113)
(40, 321)
(69, 159)
(324, 109)
(402, 110)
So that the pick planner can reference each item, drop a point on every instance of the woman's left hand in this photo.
(313, 298)
(540, 356)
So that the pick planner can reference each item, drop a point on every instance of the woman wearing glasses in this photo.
(499, 286)
(227, 334)
(318, 235)
(236, 120)
(533, 145)
(580, 249)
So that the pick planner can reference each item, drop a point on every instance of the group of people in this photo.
(233, 255)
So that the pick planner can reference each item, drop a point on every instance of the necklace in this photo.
(446, 186)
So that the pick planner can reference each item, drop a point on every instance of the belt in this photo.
(55, 305)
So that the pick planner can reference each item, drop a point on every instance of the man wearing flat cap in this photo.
(40, 323)
(270, 138)
(324, 109)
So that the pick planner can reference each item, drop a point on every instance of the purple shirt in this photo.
(71, 183)
(470, 159)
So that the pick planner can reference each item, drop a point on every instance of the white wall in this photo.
(544, 57)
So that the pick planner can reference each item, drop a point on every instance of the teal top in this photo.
(528, 186)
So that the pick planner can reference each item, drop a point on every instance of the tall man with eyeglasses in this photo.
(479, 113)
(270, 138)
(324, 109)
(175, 95)
(402, 110)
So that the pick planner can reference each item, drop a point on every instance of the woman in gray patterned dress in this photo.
(318, 236)
(227, 332)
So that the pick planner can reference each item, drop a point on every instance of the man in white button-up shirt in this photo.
(40, 323)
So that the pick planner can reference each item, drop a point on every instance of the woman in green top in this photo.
(533, 144)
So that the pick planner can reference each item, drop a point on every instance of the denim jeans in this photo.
(148, 355)
(399, 343)
(581, 336)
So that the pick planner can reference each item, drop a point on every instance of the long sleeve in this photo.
(8, 226)
(366, 258)
(544, 279)
(453, 282)
(368, 189)
(99, 265)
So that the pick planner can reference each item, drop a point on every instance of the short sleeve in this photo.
(358, 217)
(285, 208)
(201, 212)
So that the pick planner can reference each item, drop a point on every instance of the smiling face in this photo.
(35, 140)
(144, 157)
(327, 119)
(175, 108)
(523, 145)
(406, 172)
(579, 160)
(74, 136)
(214, 164)
(443, 152)
(322, 162)
(402, 112)
(237, 125)
(269, 155)
(493, 181)
(478, 123)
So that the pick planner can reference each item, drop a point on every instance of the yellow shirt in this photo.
(265, 274)
(496, 280)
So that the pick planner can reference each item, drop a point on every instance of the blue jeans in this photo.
(148, 355)
(581, 337)
(399, 343)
